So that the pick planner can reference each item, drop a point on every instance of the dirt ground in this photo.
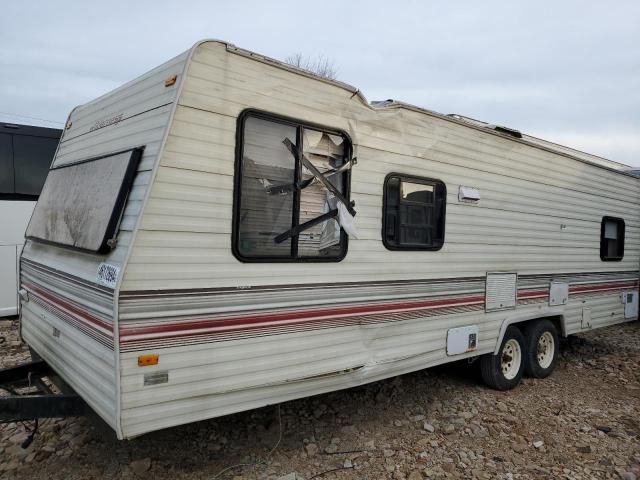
(583, 422)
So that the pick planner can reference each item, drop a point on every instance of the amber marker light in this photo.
(146, 360)
(170, 81)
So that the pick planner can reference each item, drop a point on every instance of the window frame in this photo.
(112, 227)
(603, 246)
(415, 179)
(237, 187)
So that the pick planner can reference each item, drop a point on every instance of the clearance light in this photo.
(147, 360)
(170, 81)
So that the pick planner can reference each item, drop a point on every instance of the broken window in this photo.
(414, 210)
(612, 239)
(292, 179)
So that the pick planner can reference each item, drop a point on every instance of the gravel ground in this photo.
(583, 422)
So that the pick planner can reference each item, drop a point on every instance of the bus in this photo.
(26, 152)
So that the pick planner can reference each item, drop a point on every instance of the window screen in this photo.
(414, 211)
(612, 239)
(282, 212)
(81, 203)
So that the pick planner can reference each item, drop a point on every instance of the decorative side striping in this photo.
(236, 322)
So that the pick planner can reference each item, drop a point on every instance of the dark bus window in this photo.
(6, 165)
(31, 159)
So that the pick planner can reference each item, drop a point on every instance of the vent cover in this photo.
(501, 291)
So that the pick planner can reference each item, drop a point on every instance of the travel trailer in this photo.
(228, 232)
(26, 153)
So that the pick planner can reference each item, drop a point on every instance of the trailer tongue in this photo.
(31, 396)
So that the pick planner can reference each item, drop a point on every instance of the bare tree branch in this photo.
(323, 66)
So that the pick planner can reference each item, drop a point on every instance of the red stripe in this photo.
(529, 294)
(70, 309)
(533, 294)
(289, 318)
(292, 317)
(129, 334)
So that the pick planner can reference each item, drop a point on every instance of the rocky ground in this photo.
(581, 423)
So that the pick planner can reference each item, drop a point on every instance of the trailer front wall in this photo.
(233, 335)
(68, 317)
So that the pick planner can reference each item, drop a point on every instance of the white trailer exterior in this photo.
(524, 227)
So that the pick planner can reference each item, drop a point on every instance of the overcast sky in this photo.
(566, 71)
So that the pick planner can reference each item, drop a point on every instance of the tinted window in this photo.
(612, 239)
(31, 158)
(6, 164)
(414, 211)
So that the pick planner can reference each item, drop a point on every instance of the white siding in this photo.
(539, 214)
(527, 193)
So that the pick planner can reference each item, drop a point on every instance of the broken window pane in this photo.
(278, 194)
(326, 152)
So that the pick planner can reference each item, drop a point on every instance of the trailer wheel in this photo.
(504, 370)
(542, 348)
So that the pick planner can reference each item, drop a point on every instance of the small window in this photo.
(283, 212)
(414, 211)
(612, 239)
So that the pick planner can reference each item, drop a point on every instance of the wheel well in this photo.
(558, 320)
(555, 319)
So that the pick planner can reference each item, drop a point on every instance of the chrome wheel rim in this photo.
(511, 359)
(546, 350)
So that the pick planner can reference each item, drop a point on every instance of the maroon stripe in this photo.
(213, 334)
(533, 294)
(208, 326)
(70, 309)
(131, 333)
(528, 294)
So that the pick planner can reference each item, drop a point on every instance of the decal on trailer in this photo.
(107, 275)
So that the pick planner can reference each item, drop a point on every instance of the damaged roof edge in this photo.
(504, 132)
(512, 134)
(284, 65)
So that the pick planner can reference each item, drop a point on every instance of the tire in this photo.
(541, 350)
(504, 370)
